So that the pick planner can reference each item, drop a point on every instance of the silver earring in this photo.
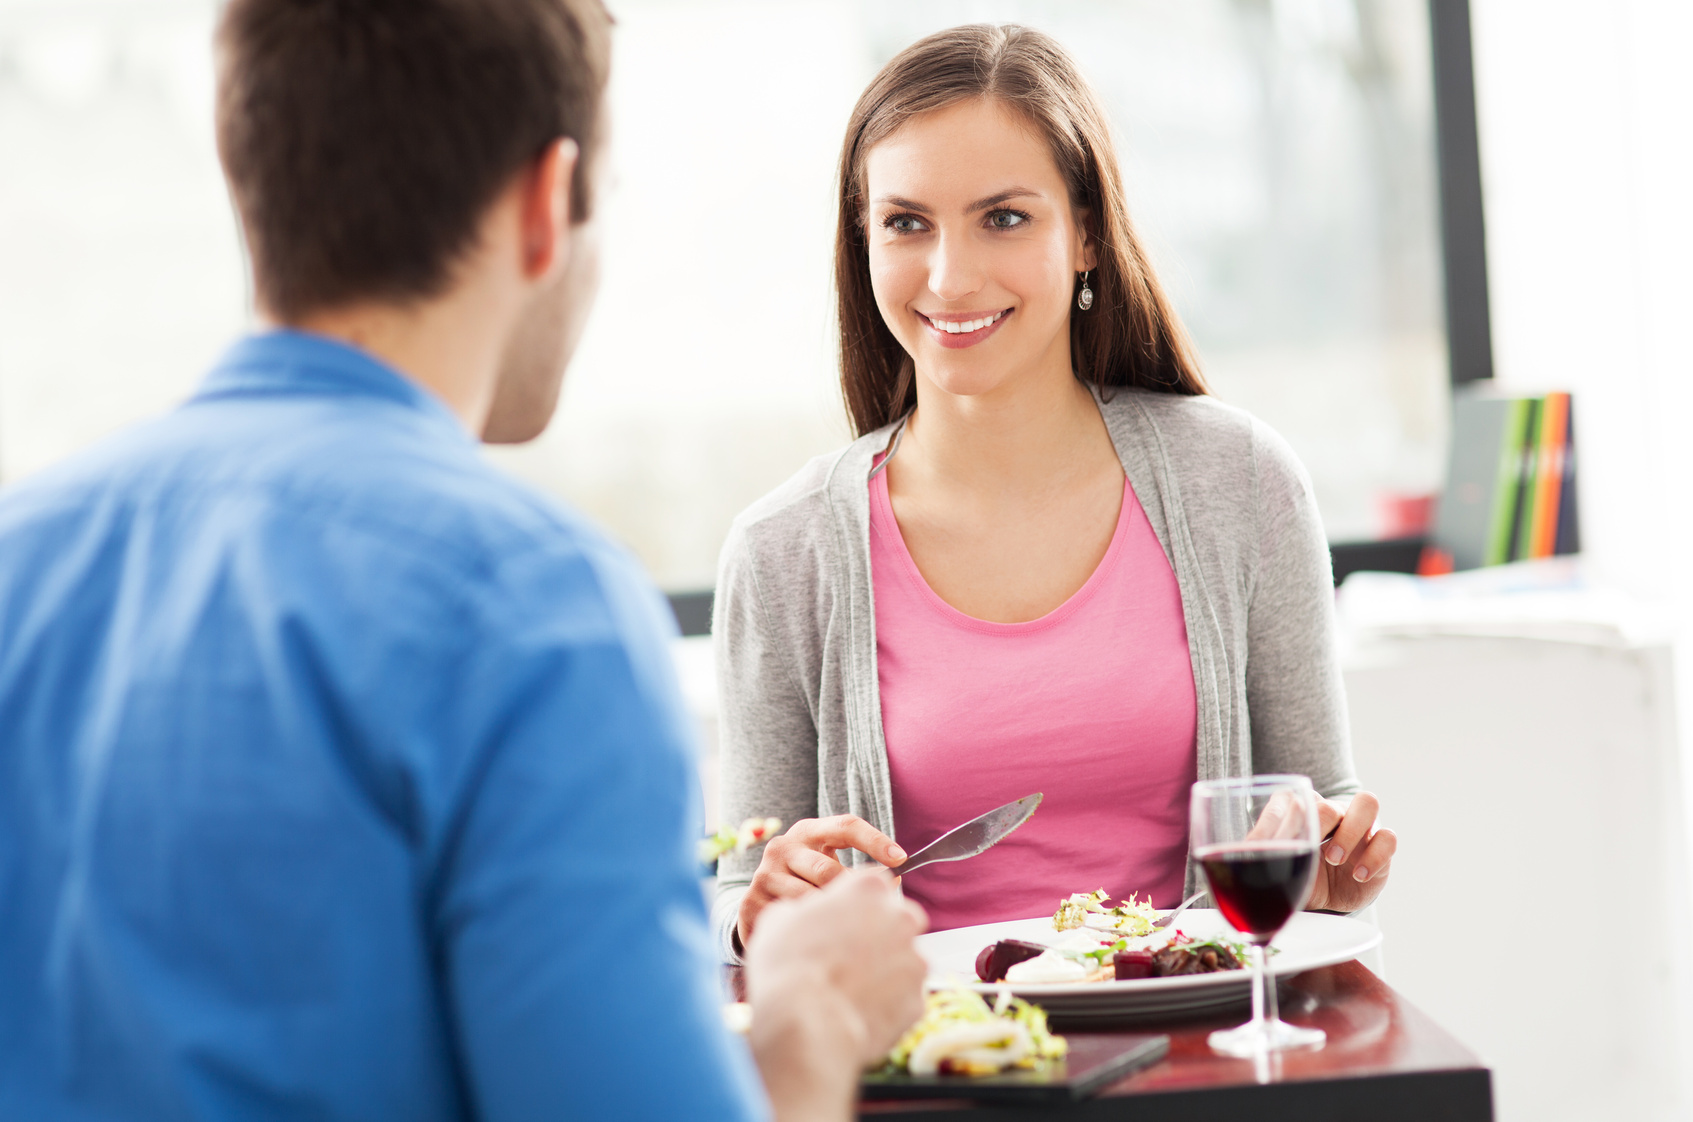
(1084, 299)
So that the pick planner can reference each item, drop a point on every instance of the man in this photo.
(342, 777)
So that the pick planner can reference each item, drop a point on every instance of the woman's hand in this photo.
(803, 859)
(1355, 861)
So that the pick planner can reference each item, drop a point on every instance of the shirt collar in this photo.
(287, 362)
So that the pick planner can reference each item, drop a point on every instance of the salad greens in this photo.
(960, 1034)
(1132, 917)
(754, 831)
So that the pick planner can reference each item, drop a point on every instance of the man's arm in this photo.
(572, 933)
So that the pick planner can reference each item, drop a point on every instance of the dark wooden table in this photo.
(1385, 1061)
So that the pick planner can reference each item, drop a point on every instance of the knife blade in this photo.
(975, 836)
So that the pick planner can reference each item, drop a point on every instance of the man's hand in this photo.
(833, 978)
(803, 860)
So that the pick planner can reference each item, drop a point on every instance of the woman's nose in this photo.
(954, 269)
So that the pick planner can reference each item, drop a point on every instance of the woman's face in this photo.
(974, 248)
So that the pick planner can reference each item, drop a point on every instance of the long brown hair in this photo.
(1130, 337)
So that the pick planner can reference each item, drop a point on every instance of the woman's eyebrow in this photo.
(897, 203)
(1004, 196)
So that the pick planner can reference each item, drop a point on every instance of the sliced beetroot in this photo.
(994, 961)
(1174, 962)
(1132, 964)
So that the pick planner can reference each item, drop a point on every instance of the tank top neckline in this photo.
(884, 516)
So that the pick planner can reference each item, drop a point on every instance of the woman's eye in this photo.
(904, 224)
(1006, 219)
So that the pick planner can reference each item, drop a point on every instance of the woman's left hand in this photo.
(1353, 863)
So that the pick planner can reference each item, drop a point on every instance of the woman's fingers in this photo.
(785, 885)
(1372, 863)
(1353, 828)
(1329, 814)
(813, 867)
(803, 860)
(1285, 816)
(846, 831)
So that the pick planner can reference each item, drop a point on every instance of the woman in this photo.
(1048, 563)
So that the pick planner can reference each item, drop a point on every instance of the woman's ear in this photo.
(1086, 242)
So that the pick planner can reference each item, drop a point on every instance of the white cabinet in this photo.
(1536, 784)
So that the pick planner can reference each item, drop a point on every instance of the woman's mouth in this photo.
(957, 331)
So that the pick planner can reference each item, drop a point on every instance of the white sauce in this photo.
(1156, 941)
(1080, 941)
(1048, 966)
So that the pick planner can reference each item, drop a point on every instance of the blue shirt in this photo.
(341, 777)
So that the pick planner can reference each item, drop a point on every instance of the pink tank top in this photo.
(1092, 704)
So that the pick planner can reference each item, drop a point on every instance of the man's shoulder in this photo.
(387, 503)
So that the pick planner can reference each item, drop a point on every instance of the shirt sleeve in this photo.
(1294, 690)
(569, 912)
(767, 737)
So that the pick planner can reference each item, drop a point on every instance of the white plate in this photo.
(1310, 940)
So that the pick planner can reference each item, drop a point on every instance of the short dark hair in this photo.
(364, 139)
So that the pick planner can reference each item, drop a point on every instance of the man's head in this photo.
(367, 144)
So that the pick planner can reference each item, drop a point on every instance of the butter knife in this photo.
(972, 838)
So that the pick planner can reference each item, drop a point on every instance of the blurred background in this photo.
(1312, 177)
(1280, 160)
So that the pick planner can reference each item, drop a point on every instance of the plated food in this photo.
(1310, 940)
(966, 1032)
(1094, 941)
(961, 1034)
(1088, 909)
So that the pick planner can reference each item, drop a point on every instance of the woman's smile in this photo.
(971, 233)
(958, 330)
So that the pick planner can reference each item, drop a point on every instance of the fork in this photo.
(1167, 920)
(1162, 921)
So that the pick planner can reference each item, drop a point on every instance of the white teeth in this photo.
(967, 326)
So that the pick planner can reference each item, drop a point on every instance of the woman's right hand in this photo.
(803, 860)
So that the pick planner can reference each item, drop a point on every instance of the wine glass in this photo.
(1256, 839)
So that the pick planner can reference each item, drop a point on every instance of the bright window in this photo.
(1279, 159)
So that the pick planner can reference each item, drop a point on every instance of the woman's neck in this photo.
(1017, 438)
(1007, 500)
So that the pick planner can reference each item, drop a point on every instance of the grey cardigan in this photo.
(800, 720)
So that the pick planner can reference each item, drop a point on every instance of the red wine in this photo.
(1259, 885)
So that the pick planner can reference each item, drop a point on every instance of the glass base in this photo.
(1258, 1037)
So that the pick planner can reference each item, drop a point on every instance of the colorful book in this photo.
(1510, 490)
(1549, 475)
(1508, 482)
(1522, 521)
(1567, 537)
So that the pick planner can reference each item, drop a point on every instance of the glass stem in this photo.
(1264, 1012)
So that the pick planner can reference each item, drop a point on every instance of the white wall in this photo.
(1534, 783)
(1586, 120)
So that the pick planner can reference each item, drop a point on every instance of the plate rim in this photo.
(1113, 988)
